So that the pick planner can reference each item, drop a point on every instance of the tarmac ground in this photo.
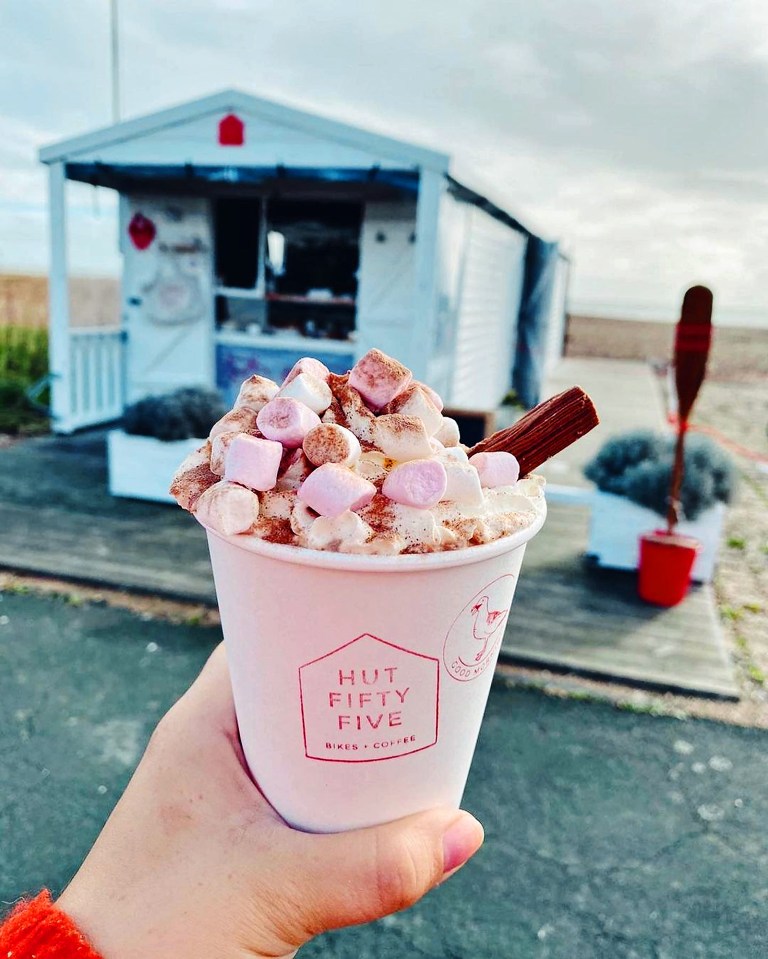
(609, 834)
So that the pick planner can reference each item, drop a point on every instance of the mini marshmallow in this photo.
(256, 392)
(228, 508)
(294, 469)
(462, 483)
(402, 437)
(455, 453)
(352, 411)
(286, 421)
(418, 483)
(338, 532)
(331, 489)
(414, 401)
(496, 469)
(240, 420)
(378, 378)
(329, 443)
(435, 397)
(448, 432)
(219, 448)
(309, 390)
(308, 364)
(192, 478)
(252, 462)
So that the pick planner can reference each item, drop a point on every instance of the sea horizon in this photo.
(737, 317)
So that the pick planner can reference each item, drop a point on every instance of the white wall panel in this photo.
(490, 285)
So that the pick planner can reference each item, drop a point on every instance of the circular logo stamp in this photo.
(477, 631)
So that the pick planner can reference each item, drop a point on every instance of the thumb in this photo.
(354, 877)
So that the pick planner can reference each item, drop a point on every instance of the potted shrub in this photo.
(157, 433)
(632, 473)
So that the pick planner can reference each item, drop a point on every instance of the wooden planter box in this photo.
(142, 467)
(616, 525)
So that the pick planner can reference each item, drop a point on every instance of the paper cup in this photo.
(360, 682)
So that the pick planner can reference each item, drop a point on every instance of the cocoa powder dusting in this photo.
(277, 531)
(379, 514)
(190, 486)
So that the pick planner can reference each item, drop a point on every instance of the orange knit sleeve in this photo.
(36, 929)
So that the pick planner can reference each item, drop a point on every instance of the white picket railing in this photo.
(94, 393)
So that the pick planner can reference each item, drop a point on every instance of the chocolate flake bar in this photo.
(545, 430)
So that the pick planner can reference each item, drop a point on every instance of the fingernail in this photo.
(461, 840)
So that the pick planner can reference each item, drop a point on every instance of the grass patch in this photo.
(23, 361)
(756, 674)
(731, 613)
(736, 542)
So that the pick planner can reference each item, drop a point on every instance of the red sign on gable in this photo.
(231, 131)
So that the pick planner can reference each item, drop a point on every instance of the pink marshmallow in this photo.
(308, 364)
(378, 378)
(418, 483)
(496, 469)
(331, 489)
(286, 421)
(252, 462)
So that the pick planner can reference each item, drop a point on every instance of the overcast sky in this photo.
(634, 132)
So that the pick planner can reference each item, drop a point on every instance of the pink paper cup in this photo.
(360, 682)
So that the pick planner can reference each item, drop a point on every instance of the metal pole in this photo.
(114, 29)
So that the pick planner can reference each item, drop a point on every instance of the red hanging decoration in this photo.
(142, 231)
(231, 131)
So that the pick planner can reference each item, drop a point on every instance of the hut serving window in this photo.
(311, 289)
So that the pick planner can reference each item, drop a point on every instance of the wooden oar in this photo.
(692, 340)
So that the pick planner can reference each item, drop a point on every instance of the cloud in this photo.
(630, 130)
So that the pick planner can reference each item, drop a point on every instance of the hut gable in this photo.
(272, 134)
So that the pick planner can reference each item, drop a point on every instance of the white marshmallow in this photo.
(448, 432)
(463, 484)
(256, 392)
(414, 401)
(241, 419)
(309, 390)
(402, 437)
(338, 532)
(329, 443)
(219, 448)
(228, 508)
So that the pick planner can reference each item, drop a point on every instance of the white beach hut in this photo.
(253, 233)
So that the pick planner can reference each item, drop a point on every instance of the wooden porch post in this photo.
(58, 298)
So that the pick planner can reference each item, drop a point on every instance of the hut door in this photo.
(167, 294)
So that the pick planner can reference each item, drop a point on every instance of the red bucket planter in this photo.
(666, 561)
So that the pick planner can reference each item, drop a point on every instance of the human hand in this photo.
(194, 861)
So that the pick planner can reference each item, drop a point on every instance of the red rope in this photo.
(721, 438)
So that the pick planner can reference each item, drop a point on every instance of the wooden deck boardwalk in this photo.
(569, 615)
(57, 519)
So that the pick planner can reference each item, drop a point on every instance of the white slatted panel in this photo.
(489, 298)
(96, 378)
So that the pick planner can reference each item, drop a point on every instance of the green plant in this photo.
(23, 353)
(187, 413)
(638, 466)
(17, 413)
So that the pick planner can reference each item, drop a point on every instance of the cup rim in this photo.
(302, 556)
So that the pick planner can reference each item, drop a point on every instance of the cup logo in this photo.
(471, 644)
(367, 701)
